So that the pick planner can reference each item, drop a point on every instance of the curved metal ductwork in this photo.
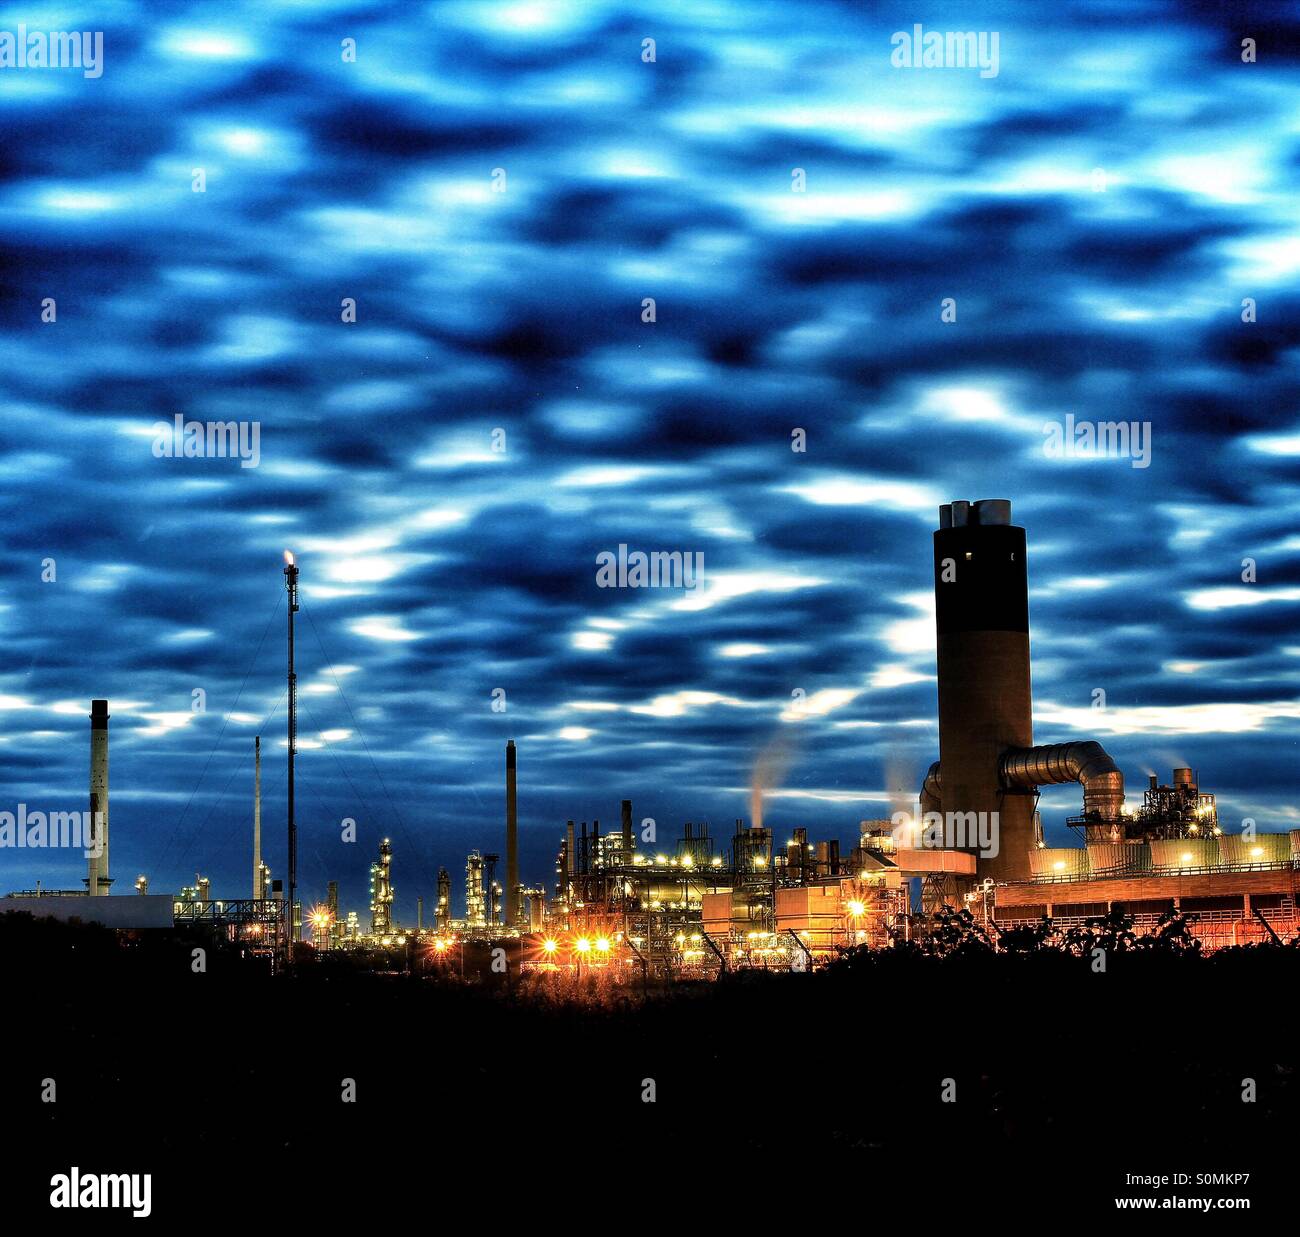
(930, 790)
(1087, 763)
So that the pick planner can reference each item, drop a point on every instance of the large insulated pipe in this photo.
(512, 840)
(981, 591)
(1087, 763)
(98, 879)
(931, 795)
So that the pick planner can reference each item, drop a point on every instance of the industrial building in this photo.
(701, 905)
(1169, 855)
(975, 840)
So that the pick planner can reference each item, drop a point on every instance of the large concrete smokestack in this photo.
(98, 879)
(982, 618)
(512, 840)
(981, 592)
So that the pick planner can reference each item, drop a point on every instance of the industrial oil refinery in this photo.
(627, 902)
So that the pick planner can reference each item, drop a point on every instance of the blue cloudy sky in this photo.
(1098, 210)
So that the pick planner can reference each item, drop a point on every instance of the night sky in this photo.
(1098, 211)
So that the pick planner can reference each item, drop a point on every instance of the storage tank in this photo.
(1185, 853)
(1119, 858)
(1058, 863)
(1262, 848)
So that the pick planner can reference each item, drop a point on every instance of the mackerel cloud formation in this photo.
(1093, 217)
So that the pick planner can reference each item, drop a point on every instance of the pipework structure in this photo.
(692, 908)
(381, 891)
(442, 915)
(475, 899)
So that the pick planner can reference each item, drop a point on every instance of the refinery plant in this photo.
(626, 902)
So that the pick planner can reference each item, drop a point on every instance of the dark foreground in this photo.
(505, 1100)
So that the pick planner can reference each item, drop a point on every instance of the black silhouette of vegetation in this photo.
(195, 1074)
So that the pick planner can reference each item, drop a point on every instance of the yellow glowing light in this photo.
(582, 945)
(602, 943)
(1059, 865)
(857, 908)
(440, 946)
(1186, 856)
(1256, 851)
(550, 946)
(288, 558)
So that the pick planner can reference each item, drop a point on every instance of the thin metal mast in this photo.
(291, 585)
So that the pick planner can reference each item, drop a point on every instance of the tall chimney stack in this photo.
(98, 880)
(512, 840)
(627, 830)
(981, 591)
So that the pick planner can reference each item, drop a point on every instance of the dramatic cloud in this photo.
(495, 192)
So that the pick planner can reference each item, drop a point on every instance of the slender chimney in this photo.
(98, 879)
(512, 840)
(627, 830)
(258, 893)
(93, 850)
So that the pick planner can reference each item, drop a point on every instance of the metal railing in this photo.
(1121, 873)
(1280, 915)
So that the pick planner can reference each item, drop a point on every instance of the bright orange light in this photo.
(857, 908)
(440, 945)
(603, 944)
(582, 945)
(288, 558)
